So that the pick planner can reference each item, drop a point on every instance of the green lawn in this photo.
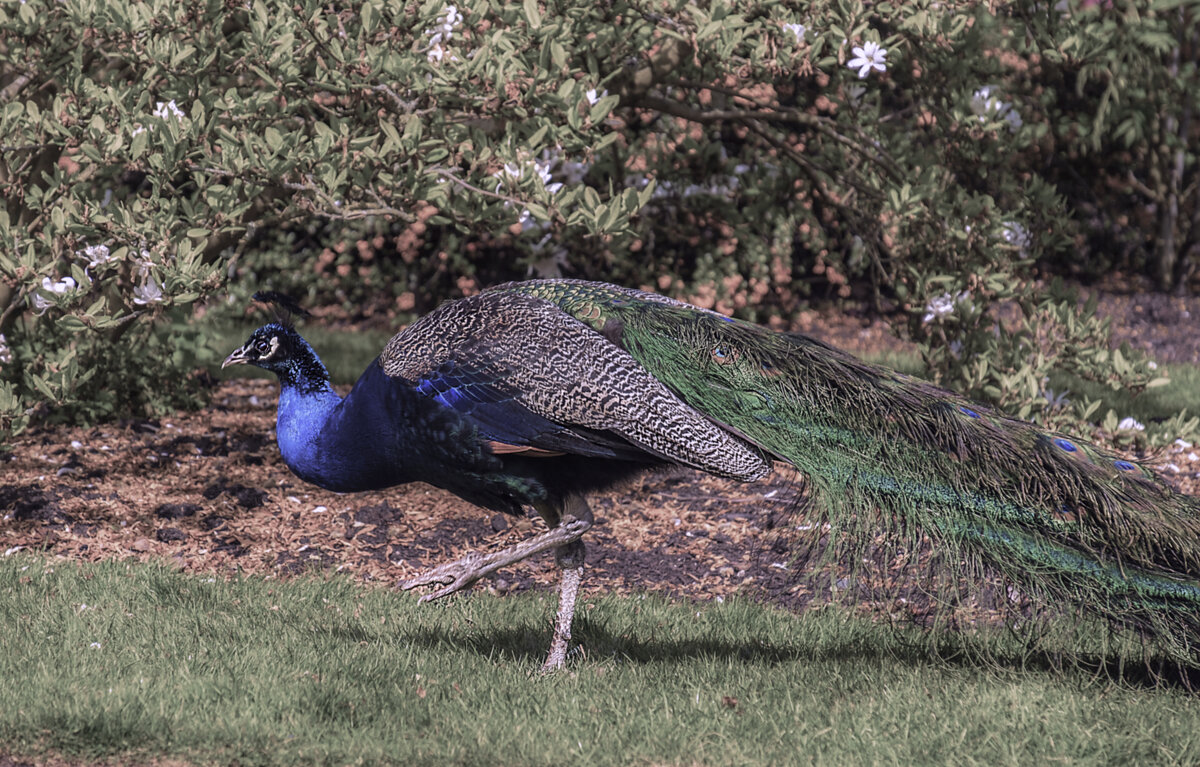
(323, 671)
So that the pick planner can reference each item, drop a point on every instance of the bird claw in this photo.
(457, 575)
(454, 576)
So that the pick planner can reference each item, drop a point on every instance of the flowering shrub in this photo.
(387, 155)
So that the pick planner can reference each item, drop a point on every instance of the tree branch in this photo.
(11, 90)
(443, 173)
(688, 112)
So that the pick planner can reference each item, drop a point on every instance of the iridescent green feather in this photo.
(1061, 518)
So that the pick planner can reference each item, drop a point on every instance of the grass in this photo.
(1152, 405)
(162, 665)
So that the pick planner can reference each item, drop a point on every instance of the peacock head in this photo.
(280, 349)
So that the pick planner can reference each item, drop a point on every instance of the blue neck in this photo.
(361, 442)
(304, 412)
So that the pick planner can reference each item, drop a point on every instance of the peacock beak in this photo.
(238, 357)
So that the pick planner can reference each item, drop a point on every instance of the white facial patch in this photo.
(274, 348)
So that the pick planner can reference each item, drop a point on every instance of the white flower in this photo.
(987, 106)
(527, 221)
(796, 29)
(869, 56)
(94, 645)
(169, 109)
(95, 254)
(6, 354)
(65, 285)
(1130, 424)
(149, 292)
(513, 171)
(138, 130)
(448, 20)
(543, 169)
(143, 262)
(939, 307)
(593, 97)
(1152, 365)
(944, 304)
(1016, 235)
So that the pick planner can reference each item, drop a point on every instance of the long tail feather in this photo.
(1062, 518)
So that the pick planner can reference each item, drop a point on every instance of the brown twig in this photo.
(795, 117)
(329, 207)
(443, 173)
(10, 91)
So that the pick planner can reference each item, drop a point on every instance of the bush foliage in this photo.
(388, 154)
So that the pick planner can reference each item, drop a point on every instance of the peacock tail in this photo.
(1061, 518)
(534, 394)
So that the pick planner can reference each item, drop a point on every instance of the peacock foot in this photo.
(457, 575)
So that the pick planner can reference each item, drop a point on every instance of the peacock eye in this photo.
(724, 355)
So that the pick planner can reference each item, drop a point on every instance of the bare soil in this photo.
(208, 492)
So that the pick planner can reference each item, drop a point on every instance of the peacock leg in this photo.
(463, 572)
(570, 559)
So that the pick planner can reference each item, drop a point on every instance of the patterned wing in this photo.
(497, 353)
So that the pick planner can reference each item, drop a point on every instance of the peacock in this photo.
(536, 394)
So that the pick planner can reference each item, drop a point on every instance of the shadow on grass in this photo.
(528, 646)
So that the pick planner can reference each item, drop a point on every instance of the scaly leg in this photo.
(463, 572)
(568, 521)
(569, 558)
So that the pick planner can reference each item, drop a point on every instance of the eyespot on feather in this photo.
(724, 355)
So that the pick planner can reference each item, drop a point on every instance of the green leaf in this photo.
(137, 147)
(42, 386)
(536, 139)
(532, 14)
(558, 54)
(412, 131)
(602, 108)
(273, 138)
(392, 141)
